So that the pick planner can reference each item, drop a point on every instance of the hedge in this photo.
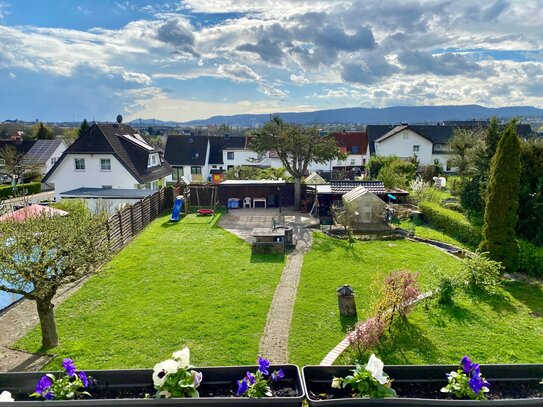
(451, 222)
(530, 258)
(30, 188)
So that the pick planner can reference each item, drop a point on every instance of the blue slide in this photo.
(177, 206)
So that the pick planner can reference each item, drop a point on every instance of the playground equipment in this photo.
(177, 207)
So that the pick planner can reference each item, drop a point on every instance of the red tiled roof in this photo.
(31, 212)
(350, 139)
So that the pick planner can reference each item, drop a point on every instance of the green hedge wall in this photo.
(451, 222)
(31, 188)
(530, 258)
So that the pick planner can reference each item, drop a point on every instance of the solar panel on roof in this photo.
(137, 142)
(41, 151)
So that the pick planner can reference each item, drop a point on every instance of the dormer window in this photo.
(153, 160)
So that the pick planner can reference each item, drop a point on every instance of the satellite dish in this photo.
(119, 119)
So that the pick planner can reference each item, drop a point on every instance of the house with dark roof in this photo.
(108, 156)
(355, 145)
(21, 147)
(44, 154)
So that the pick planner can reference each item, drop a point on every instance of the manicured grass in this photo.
(503, 328)
(316, 326)
(189, 283)
(427, 232)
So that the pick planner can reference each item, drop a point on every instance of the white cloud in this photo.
(271, 91)
(12, 75)
(4, 6)
(237, 72)
(299, 79)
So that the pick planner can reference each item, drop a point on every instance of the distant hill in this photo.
(387, 115)
(152, 122)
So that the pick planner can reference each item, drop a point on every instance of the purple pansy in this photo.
(277, 375)
(44, 383)
(251, 378)
(49, 396)
(243, 386)
(197, 377)
(84, 379)
(69, 366)
(466, 364)
(263, 365)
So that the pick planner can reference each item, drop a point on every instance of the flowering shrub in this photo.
(5, 396)
(175, 378)
(397, 295)
(369, 381)
(467, 381)
(256, 385)
(69, 386)
(367, 334)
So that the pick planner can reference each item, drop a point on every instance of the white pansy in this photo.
(6, 396)
(163, 369)
(336, 382)
(182, 357)
(375, 367)
(166, 394)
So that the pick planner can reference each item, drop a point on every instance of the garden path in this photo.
(15, 322)
(274, 340)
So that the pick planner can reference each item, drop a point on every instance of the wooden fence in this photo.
(131, 220)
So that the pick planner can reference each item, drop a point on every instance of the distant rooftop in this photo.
(253, 182)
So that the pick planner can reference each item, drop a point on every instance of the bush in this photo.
(452, 223)
(366, 334)
(447, 290)
(397, 295)
(454, 184)
(453, 206)
(481, 272)
(30, 188)
(530, 258)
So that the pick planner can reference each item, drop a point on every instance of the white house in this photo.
(108, 156)
(427, 142)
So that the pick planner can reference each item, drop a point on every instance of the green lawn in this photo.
(177, 284)
(427, 232)
(504, 328)
(316, 326)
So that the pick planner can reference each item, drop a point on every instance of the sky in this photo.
(64, 60)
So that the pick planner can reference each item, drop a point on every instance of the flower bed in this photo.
(134, 387)
(511, 385)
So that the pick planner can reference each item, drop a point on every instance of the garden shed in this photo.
(367, 209)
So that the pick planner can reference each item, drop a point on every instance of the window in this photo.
(79, 164)
(353, 162)
(152, 161)
(439, 146)
(406, 135)
(195, 170)
(53, 160)
(177, 173)
(448, 166)
(105, 164)
(354, 149)
(107, 187)
(416, 149)
(230, 155)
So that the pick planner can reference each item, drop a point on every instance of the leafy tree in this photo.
(43, 132)
(247, 172)
(15, 164)
(70, 134)
(531, 192)
(46, 252)
(460, 147)
(83, 128)
(473, 192)
(4, 133)
(502, 201)
(432, 170)
(296, 147)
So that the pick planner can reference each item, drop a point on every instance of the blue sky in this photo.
(182, 60)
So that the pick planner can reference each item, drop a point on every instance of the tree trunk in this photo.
(297, 193)
(49, 336)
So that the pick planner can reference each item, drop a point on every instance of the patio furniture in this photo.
(255, 200)
(271, 201)
(233, 203)
(246, 202)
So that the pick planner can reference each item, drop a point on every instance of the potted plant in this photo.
(425, 385)
(171, 382)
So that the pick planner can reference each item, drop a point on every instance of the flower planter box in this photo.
(421, 385)
(135, 383)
